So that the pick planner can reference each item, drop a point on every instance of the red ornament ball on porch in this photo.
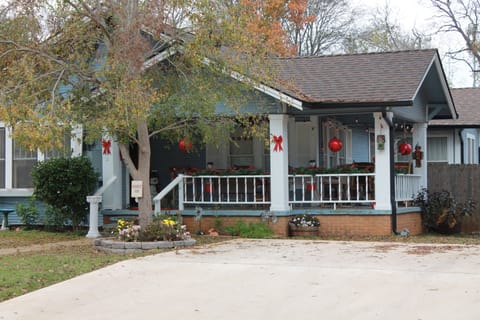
(185, 145)
(405, 148)
(335, 144)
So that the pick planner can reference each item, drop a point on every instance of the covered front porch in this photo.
(364, 187)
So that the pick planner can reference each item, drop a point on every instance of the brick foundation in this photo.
(330, 224)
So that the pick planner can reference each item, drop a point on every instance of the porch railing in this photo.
(227, 190)
(333, 189)
(407, 186)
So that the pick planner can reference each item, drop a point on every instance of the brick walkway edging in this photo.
(115, 246)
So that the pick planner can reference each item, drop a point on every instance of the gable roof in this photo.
(388, 78)
(467, 102)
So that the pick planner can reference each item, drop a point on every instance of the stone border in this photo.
(115, 246)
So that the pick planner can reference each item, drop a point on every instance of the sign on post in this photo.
(137, 189)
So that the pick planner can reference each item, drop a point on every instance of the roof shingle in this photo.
(356, 78)
(467, 103)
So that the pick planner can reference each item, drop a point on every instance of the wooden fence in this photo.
(463, 182)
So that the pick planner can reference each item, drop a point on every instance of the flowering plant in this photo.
(165, 228)
(304, 220)
(127, 230)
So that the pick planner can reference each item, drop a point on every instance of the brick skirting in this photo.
(330, 224)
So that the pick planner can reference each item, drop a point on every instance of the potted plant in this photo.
(304, 225)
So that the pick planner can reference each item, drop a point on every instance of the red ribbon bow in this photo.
(278, 143)
(106, 144)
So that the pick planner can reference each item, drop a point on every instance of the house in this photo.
(335, 125)
(456, 141)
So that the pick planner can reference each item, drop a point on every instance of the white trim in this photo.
(16, 192)
(269, 91)
(8, 158)
(159, 58)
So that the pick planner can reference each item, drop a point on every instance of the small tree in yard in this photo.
(64, 184)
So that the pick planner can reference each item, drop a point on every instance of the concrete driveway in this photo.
(271, 279)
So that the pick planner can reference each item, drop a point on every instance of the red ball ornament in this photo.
(185, 145)
(405, 148)
(335, 144)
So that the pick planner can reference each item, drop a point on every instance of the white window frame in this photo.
(75, 144)
(470, 150)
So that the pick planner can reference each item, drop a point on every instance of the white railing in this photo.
(407, 186)
(341, 188)
(227, 190)
(175, 182)
(346, 188)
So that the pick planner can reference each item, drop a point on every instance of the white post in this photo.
(382, 162)
(419, 137)
(93, 223)
(112, 167)
(181, 193)
(279, 162)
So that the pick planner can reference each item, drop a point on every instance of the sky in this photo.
(420, 15)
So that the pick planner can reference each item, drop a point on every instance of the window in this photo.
(23, 162)
(334, 159)
(437, 149)
(470, 149)
(241, 149)
(64, 151)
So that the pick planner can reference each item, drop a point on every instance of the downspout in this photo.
(462, 156)
(393, 201)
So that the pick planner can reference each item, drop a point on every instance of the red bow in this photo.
(278, 143)
(106, 144)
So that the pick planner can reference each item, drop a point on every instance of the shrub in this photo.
(252, 230)
(441, 212)
(28, 213)
(64, 184)
(55, 219)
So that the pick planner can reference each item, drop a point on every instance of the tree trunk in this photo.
(141, 172)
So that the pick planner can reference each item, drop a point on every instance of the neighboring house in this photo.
(456, 141)
(368, 102)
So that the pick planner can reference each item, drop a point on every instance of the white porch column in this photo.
(279, 162)
(382, 162)
(419, 136)
(111, 167)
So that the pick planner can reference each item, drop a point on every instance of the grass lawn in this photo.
(28, 271)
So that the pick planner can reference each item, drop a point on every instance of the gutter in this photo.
(393, 201)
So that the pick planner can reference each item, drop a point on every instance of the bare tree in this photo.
(382, 33)
(461, 17)
(327, 23)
